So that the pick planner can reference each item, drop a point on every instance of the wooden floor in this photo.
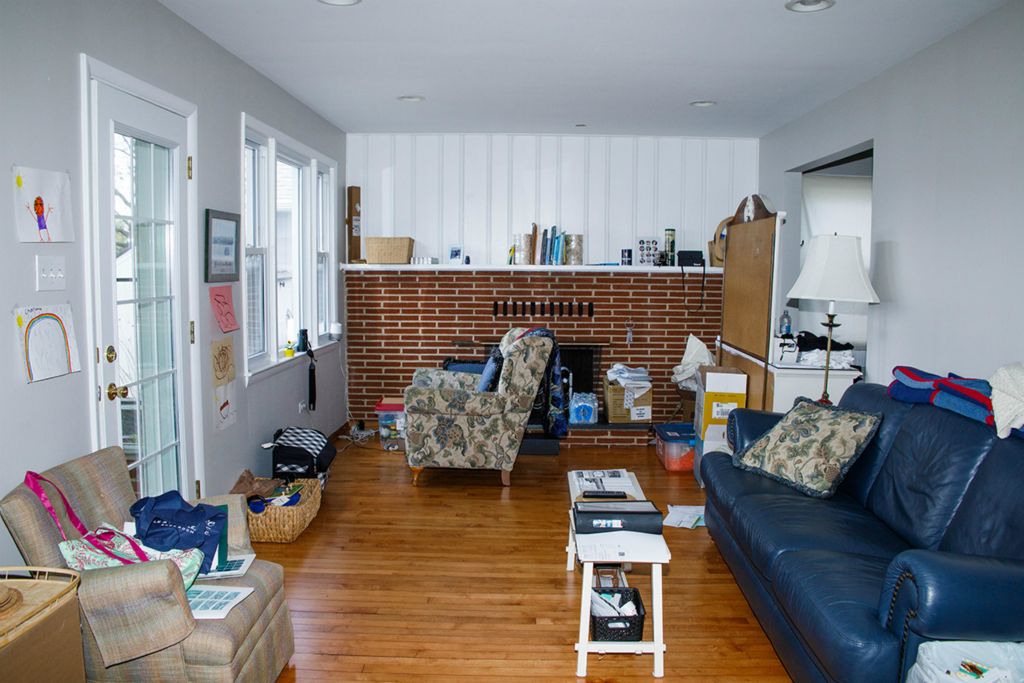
(461, 579)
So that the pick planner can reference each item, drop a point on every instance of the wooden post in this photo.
(353, 225)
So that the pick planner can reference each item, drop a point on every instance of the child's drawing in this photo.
(47, 341)
(42, 205)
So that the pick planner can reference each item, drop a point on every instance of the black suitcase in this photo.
(302, 453)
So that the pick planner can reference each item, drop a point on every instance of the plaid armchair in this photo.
(450, 424)
(136, 624)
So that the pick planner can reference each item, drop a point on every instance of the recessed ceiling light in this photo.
(703, 103)
(341, 3)
(809, 5)
(411, 98)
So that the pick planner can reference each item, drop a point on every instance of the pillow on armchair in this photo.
(811, 448)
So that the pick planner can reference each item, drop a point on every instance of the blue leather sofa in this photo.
(924, 540)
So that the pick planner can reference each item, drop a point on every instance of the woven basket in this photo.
(284, 524)
(388, 249)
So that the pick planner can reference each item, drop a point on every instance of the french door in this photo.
(141, 286)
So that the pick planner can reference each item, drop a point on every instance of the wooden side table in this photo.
(41, 622)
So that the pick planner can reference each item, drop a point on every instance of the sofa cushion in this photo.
(990, 520)
(811, 448)
(220, 642)
(724, 483)
(832, 600)
(871, 398)
(767, 526)
(921, 483)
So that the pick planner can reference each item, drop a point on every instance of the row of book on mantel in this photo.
(550, 247)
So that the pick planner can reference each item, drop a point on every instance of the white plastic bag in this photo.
(695, 355)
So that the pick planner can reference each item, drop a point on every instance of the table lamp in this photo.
(833, 271)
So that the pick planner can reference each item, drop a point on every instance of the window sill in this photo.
(284, 364)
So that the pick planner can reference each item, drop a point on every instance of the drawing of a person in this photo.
(41, 212)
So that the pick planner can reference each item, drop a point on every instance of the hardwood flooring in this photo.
(462, 579)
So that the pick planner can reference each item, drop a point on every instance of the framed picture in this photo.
(223, 232)
(455, 255)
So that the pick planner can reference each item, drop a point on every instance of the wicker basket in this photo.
(284, 524)
(615, 403)
(620, 628)
(388, 249)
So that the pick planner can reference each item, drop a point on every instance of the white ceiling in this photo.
(542, 66)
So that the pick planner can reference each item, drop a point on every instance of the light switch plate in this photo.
(51, 273)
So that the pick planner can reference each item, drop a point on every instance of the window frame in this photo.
(277, 146)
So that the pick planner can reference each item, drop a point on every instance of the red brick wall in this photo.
(398, 321)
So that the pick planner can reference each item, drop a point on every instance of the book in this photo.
(604, 516)
(534, 256)
(543, 248)
(550, 260)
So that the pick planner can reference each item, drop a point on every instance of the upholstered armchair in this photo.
(137, 625)
(448, 423)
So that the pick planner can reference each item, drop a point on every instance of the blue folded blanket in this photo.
(965, 396)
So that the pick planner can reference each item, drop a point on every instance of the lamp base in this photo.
(831, 325)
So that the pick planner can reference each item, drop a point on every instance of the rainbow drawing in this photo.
(60, 351)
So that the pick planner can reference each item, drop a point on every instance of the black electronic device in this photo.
(690, 258)
(614, 495)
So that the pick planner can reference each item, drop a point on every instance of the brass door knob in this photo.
(111, 354)
(113, 391)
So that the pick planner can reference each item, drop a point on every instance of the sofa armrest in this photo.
(443, 379)
(429, 401)
(949, 596)
(136, 609)
(746, 426)
(238, 521)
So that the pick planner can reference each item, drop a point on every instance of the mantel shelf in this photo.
(442, 268)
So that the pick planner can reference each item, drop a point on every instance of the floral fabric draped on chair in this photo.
(450, 424)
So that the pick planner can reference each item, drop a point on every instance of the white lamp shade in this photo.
(834, 271)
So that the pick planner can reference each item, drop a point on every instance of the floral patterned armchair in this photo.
(448, 423)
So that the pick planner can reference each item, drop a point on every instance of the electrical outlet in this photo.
(51, 273)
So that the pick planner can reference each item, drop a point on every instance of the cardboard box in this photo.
(615, 404)
(720, 390)
(714, 441)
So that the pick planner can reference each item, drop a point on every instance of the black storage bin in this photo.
(301, 452)
(619, 628)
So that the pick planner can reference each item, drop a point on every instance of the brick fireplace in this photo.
(400, 318)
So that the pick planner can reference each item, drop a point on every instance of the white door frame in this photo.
(91, 72)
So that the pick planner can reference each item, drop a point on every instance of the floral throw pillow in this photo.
(811, 448)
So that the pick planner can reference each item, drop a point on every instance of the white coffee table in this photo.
(622, 547)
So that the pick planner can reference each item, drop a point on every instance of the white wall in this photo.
(479, 190)
(947, 235)
(836, 205)
(49, 422)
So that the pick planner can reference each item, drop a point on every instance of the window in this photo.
(288, 205)
(254, 225)
(325, 219)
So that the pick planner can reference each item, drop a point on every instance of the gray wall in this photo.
(49, 422)
(948, 227)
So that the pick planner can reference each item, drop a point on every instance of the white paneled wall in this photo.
(478, 190)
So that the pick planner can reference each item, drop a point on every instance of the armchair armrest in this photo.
(238, 521)
(443, 379)
(136, 609)
(431, 401)
(948, 596)
(746, 426)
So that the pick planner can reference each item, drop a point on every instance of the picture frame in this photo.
(223, 235)
(455, 255)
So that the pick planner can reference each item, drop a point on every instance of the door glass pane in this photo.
(145, 308)
(289, 212)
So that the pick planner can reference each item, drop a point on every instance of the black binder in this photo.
(627, 515)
